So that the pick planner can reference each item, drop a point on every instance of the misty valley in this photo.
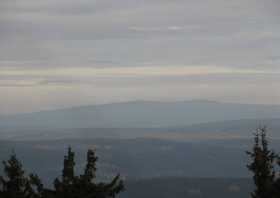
(206, 159)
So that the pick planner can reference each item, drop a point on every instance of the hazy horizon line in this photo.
(134, 101)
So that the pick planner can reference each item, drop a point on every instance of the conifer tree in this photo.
(102, 190)
(68, 168)
(262, 165)
(65, 188)
(90, 169)
(15, 184)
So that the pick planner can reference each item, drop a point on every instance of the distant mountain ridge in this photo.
(139, 114)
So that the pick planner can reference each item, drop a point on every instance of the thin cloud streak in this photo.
(130, 71)
(134, 76)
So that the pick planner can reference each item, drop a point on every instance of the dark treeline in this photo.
(264, 164)
(17, 184)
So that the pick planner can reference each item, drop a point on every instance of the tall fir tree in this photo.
(93, 189)
(262, 165)
(15, 184)
(90, 169)
(65, 188)
(68, 168)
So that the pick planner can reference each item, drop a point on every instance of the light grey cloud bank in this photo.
(129, 32)
(42, 39)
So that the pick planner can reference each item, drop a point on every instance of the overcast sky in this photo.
(56, 54)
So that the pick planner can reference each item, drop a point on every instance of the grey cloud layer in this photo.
(129, 32)
(61, 34)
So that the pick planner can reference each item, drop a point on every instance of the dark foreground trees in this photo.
(263, 165)
(16, 184)
(84, 186)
